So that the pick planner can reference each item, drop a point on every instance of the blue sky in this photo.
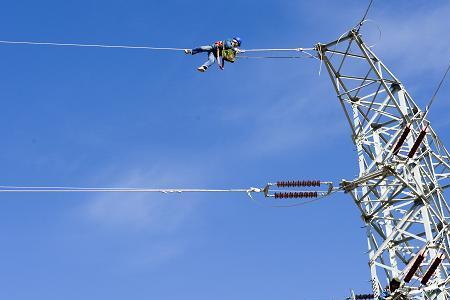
(110, 117)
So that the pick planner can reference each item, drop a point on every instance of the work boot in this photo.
(202, 68)
(187, 51)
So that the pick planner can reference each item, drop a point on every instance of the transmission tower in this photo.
(404, 170)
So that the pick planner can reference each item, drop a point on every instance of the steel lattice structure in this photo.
(403, 171)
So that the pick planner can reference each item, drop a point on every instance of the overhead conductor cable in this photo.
(303, 50)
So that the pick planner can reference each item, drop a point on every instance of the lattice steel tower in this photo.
(403, 171)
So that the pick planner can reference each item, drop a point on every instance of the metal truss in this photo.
(404, 170)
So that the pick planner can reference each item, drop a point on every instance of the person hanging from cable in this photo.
(221, 51)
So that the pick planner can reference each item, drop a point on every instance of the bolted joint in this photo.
(348, 186)
(367, 218)
(355, 99)
(420, 201)
(376, 126)
(395, 87)
(321, 49)
(388, 170)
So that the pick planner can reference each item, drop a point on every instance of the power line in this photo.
(270, 57)
(319, 195)
(278, 49)
(427, 108)
(89, 45)
(7, 42)
(361, 22)
(18, 189)
(367, 10)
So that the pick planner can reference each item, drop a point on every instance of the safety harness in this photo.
(226, 54)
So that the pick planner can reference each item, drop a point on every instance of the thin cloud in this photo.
(416, 40)
(152, 213)
(291, 121)
(155, 254)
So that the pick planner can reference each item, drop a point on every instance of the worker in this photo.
(226, 50)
